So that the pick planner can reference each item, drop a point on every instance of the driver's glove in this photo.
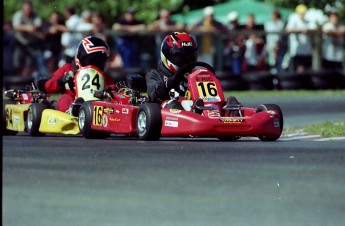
(173, 94)
(68, 76)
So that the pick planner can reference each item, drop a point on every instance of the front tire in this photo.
(34, 119)
(276, 108)
(149, 121)
(85, 121)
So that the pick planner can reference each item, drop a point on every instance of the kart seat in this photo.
(232, 107)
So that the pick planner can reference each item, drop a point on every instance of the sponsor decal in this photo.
(52, 121)
(271, 112)
(171, 123)
(186, 44)
(276, 123)
(204, 78)
(117, 111)
(105, 120)
(16, 120)
(171, 118)
(114, 119)
(25, 96)
(211, 99)
(125, 111)
(175, 111)
(108, 110)
(231, 120)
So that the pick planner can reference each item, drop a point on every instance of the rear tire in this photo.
(149, 121)
(4, 120)
(85, 121)
(276, 108)
(34, 119)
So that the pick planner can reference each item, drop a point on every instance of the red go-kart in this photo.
(206, 113)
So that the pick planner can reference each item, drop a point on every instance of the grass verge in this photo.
(325, 129)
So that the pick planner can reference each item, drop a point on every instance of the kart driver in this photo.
(91, 51)
(177, 50)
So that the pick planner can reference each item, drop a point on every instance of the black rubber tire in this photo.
(327, 80)
(234, 83)
(4, 121)
(34, 119)
(294, 81)
(149, 121)
(259, 80)
(85, 128)
(271, 107)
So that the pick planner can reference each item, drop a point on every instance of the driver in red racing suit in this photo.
(91, 51)
(177, 50)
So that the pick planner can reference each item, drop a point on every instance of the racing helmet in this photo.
(178, 49)
(92, 51)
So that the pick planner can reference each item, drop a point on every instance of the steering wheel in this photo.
(186, 68)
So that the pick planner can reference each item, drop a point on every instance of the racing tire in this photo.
(5, 131)
(271, 107)
(149, 121)
(34, 117)
(85, 120)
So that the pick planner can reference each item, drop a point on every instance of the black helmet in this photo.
(178, 49)
(92, 51)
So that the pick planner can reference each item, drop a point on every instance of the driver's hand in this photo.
(68, 76)
(173, 94)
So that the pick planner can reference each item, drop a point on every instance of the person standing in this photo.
(299, 42)
(71, 37)
(27, 25)
(127, 43)
(207, 26)
(273, 28)
(333, 43)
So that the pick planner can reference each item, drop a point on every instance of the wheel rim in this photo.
(30, 119)
(81, 119)
(141, 123)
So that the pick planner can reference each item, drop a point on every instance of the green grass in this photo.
(325, 129)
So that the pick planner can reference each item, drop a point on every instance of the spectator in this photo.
(299, 41)
(163, 26)
(333, 43)
(53, 50)
(70, 38)
(9, 43)
(233, 53)
(208, 25)
(86, 25)
(28, 53)
(127, 42)
(254, 54)
(274, 27)
(100, 31)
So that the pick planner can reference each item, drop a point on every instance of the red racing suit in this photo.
(54, 85)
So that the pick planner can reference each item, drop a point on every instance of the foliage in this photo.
(147, 10)
(113, 10)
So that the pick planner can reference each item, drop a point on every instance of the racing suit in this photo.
(55, 85)
(159, 83)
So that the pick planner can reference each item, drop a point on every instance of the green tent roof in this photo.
(261, 10)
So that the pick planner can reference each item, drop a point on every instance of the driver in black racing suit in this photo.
(177, 50)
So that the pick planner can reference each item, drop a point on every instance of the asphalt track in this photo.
(59, 180)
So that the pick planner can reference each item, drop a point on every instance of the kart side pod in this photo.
(54, 121)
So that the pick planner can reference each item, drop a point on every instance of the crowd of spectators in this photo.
(33, 47)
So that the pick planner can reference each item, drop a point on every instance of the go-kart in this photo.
(16, 107)
(206, 113)
(37, 116)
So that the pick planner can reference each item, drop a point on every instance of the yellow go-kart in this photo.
(31, 111)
